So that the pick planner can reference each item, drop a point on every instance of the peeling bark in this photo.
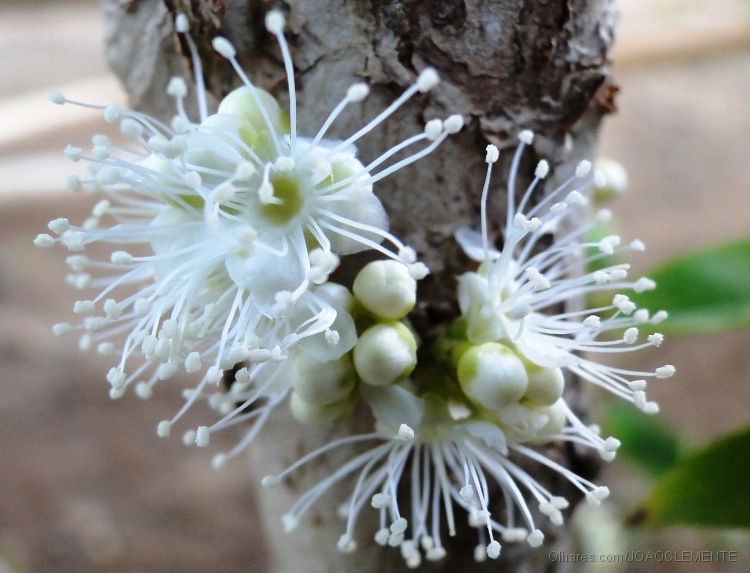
(506, 65)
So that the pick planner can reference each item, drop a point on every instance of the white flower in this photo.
(526, 295)
(425, 455)
(265, 358)
(221, 228)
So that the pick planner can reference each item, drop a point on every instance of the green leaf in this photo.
(707, 487)
(703, 291)
(644, 440)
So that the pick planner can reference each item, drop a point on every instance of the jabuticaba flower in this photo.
(451, 428)
(221, 228)
(515, 295)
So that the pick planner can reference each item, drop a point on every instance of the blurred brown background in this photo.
(85, 484)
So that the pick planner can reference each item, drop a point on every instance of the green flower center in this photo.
(287, 189)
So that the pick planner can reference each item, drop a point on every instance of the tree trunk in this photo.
(506, 65)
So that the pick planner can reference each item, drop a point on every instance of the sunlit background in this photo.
(85, 485)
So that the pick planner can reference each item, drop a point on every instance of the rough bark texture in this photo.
(506, 65)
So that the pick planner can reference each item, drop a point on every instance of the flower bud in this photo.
(545, 385)
(610, 180)
(556, 418)
(521, 423)
(312, 415)
(474, 299)
(385, 354)
(321, 383)
(242, 103)
(386, 289)
(492, 375)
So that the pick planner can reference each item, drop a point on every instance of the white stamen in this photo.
(492, 154)
(202, 437)
(275, 22)
(542, 169)
(405, 433)
(665, 371)
(224, 47)
(583, 169)
(427, 80)
(357, 92)
(181, 23)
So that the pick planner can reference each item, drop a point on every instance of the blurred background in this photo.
(85, 485)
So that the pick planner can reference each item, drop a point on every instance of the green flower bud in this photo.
(521, 423)
(241, 103)
(482, 323)
(545, 385)
(492, 375)
(556, 420)
(321, 383)
(313, 415)
(385, 354)
(386, 289)
(610, 180)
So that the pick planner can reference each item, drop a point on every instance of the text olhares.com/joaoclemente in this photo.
(679, 556)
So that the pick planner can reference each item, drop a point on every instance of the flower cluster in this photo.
(447, 432)
(231, 227)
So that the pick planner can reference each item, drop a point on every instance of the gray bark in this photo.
(506, 65)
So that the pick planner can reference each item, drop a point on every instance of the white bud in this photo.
(492, 375)
(312, 414)
(610, 180)
(385, 354)
(545, 386)
(320, 383)
(386, 289)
